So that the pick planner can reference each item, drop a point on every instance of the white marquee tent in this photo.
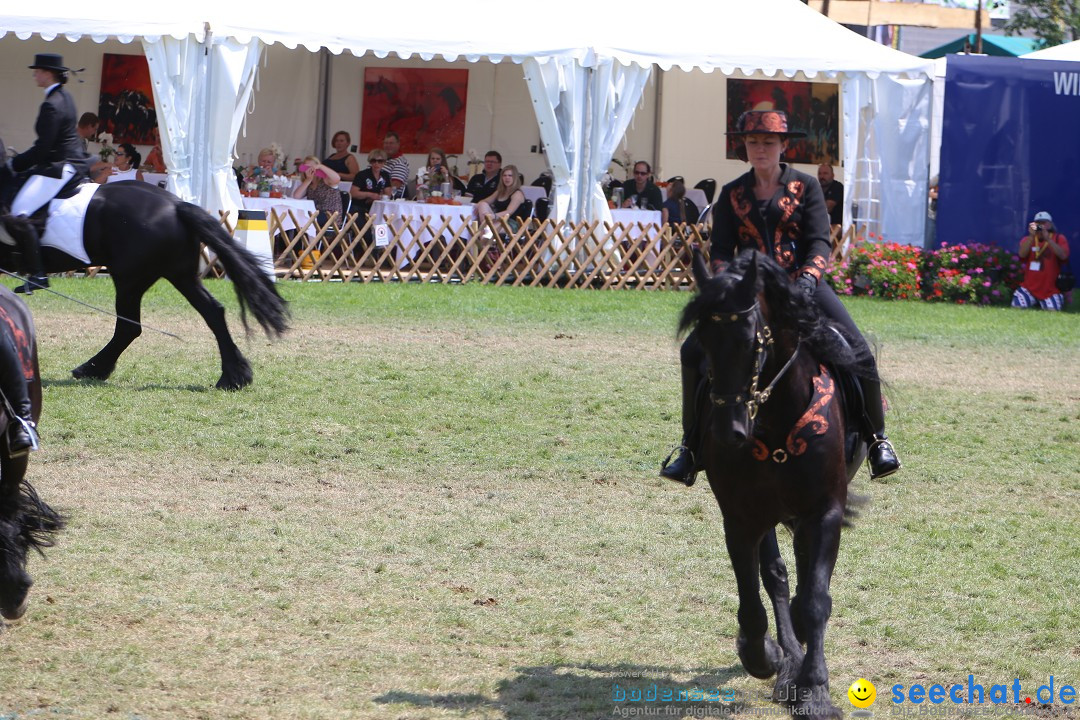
(1066, 51)
(585, 64)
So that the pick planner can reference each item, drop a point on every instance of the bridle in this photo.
(763, 338)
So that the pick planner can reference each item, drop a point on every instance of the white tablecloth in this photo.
(694, 195)
(302, 209)
(398, 214)
(156, 178)
(641, 224)
(533, 193)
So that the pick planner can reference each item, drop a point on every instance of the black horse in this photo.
(777, 450)
(143, 233)
(26, 522)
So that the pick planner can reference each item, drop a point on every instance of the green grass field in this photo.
(442, 502)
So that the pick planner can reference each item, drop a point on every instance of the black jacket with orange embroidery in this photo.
(794, 230)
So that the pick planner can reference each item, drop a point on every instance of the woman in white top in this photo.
(126, 166)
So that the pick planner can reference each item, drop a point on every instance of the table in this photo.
(534, 193)
(159, 179)
(694, 195)
(402, 214)
(301, 208)
(640, 225)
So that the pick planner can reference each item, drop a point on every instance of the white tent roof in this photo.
(770, 36)
(1068, 51)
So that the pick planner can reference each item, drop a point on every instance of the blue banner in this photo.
(1010, 147)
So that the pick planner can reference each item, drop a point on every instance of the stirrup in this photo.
(688, 477)
(888, 463)
(29, 427)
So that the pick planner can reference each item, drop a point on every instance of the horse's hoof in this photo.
(89, 371)
(760, 660)
(232, 382)
(785, 689)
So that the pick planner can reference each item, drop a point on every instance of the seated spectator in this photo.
(505, 200)
(396, 164)
(266, 164)
(371, 184)
(87, 128)
(483, 184)
(640, 191)
(126, 165)
(318, 183)
(342, 161)
(430, 177)
(678, 208)
(834, 194)
(155, 161)
(1044, 251)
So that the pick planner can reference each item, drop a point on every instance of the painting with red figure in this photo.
(425, 107)
(126, 105)
(812, 108)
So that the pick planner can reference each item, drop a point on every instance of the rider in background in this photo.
(57, 161)
(780, 212)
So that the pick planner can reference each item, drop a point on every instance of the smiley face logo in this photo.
(862, 693)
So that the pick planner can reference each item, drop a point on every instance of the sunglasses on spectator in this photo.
(373, 162)
(639, 172)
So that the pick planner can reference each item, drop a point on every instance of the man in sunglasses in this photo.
(640, 191)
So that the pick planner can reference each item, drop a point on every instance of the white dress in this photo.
(118, 175)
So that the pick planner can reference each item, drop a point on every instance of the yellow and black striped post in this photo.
(253, 233)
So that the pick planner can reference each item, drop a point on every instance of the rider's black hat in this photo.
(49, 61)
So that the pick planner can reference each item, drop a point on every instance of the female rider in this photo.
(780, 212)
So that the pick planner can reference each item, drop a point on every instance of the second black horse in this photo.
(142, 234)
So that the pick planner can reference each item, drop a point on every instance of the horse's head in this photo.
(728, 317)
(15, 582)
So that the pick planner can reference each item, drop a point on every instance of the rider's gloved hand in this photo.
(807, 283)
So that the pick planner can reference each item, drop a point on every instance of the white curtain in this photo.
(887, 119)
(558, 91)
(616, 91)
(174, 65)
(232, 73)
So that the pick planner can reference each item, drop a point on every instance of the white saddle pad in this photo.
(64, 228)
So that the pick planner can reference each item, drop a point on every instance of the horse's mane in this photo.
(788, 311)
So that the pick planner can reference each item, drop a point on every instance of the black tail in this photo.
(253, 288)
(37, 522)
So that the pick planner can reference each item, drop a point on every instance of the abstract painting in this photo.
(126, 105)
(812, 108)
(425, 107)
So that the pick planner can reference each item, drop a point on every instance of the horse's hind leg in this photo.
(129, 311)
(759, 653)
(819, 538)
(235, 370)
(774, 577)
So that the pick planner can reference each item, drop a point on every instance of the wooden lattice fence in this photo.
(534, 253)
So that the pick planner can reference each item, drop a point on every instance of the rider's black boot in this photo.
(880, 454)
(22, 435)
(684, 467)
(26, 234)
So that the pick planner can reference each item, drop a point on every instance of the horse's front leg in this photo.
(759, 653)
(819, 538)
(774, 577)
(129, 295)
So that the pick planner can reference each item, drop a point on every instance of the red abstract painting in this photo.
(812, 108)
(126, 105)
(425, 107)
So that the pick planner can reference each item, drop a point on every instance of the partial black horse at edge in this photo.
(777, 449)
(26, 521)
(142, 234)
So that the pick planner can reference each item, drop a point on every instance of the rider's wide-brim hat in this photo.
(762, 122)
(49, 61)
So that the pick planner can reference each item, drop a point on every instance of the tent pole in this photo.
(322, 118)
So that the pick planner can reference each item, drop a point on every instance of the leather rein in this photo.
(763, 338)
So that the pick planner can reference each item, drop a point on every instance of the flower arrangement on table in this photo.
(107, 150)
(474, 163)
(625, 161)
(965, 274)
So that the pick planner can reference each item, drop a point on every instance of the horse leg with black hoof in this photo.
(759, 653)
(774, 577)
(819, 538)
(235, 369)
(129, 294)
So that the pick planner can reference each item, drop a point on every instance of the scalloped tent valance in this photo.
(767, 36)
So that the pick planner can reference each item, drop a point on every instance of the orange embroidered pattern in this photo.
(811, 424)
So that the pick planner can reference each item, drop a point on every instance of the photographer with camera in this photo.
(1044, 252)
